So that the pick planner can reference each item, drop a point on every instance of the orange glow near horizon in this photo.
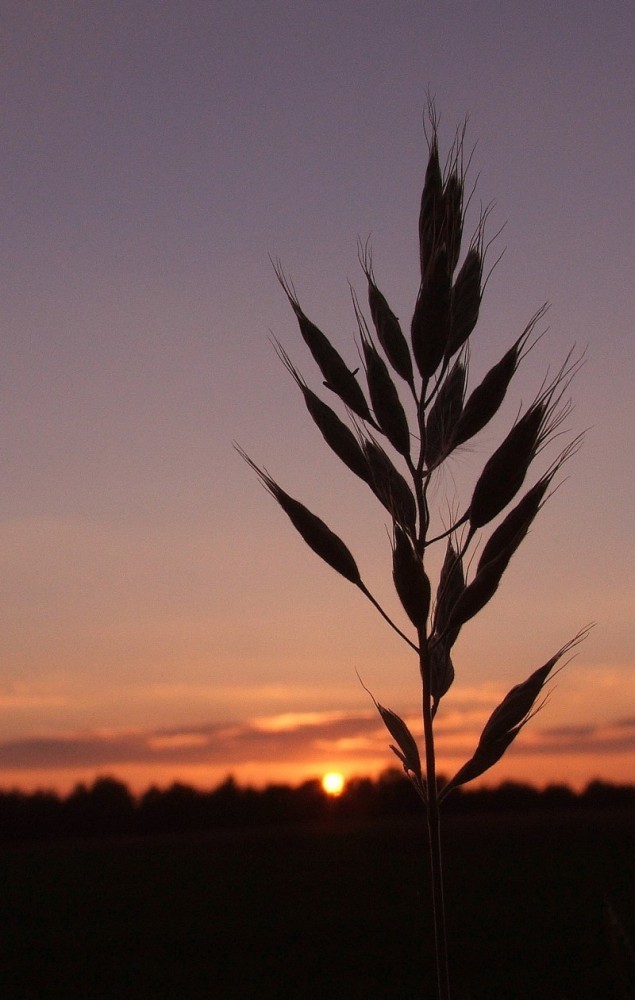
(574, 770)
(302, 745)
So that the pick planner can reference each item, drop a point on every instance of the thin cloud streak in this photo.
(302, 737)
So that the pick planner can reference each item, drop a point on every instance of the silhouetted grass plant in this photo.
(409, 411)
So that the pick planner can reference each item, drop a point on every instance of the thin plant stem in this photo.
(386, 618)
(432, 811)
(434, 827)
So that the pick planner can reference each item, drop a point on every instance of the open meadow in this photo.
(331, 909)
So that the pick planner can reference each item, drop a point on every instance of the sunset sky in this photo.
(160, 619)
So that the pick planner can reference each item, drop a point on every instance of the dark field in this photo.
(330, 911)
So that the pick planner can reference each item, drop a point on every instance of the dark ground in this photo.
(328, 911)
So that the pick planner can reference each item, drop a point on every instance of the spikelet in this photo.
(465, 300)
(505, 471)
(430, 327)
(509, 534)
(453, 217)
(443, 415)
(451, 586)
(507, 720)
(486, 399)
(384, 397)
(337, 435)
(498, 551)
(386, 324)
(337, 375)
(410, 579)
(477, 594)
(406, 750)
(441, 673)
(432, 211)
(317, 535)
(390, 487)
(503, 543)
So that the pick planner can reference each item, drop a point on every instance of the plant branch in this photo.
(386, 617)
(453, 527)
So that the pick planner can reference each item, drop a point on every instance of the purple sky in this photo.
(154, 155)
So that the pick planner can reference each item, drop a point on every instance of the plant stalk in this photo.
(434, 829)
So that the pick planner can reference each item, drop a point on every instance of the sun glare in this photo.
(333, 783)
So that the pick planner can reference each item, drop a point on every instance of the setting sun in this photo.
(333, 783)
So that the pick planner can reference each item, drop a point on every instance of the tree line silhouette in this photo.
(108, 808)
